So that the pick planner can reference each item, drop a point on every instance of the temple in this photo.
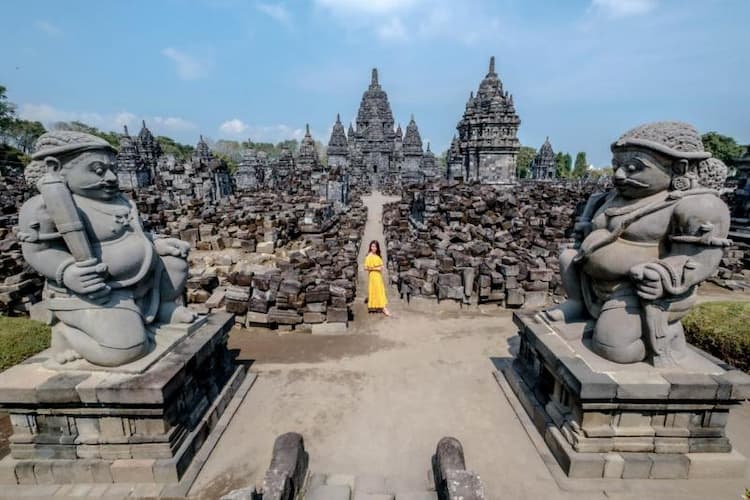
(487, 132)
(137, 159)
(376, 153)
(543, 166)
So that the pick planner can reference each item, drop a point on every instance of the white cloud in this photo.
(274, 133)
(47, 27)
(276, 11)
(622, 8)
(393, 29)
(358, 7)
(235, 126)
(404, 20)
(188, 66)
(174, 123)
(49, 115)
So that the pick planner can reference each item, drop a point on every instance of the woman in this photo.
(376, 299)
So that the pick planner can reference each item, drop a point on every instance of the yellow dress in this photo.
(376, 298)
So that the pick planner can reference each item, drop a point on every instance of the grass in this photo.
(723, 330)
(21, 338)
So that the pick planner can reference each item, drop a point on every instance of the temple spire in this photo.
(338, 118)
(492, 65)
(307, 129)
(374, 81)
(126, 129)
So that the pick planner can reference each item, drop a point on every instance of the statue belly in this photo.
(126, 256)
(614, 261)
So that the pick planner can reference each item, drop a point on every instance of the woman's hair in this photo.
(377, 247)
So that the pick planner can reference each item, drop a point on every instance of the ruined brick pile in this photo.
(20, 286)
(274, 261)
(481, 243)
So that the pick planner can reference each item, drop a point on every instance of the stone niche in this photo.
(603, 419)
(139, 423)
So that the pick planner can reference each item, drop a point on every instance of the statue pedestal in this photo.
(139, 425)
(603, 419)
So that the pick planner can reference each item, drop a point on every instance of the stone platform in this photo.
(127, 426)
(603, 419)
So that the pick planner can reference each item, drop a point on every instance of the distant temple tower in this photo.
(429, 166)
(543, 166)
(375, 135)
(148, 149)
(251, 171)
(487, 132)
(217, 183)
(412, 149)
(132, 173)
(338, 147)
(454, 159)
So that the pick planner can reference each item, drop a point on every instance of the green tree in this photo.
(24, 134)
(171, 147)
(7, 110)
(722, 147)
(111, 137)
(523, 161)
(564, 164)
(581, 166)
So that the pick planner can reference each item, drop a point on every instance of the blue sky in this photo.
(581, 71)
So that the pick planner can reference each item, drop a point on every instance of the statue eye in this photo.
(632, 168)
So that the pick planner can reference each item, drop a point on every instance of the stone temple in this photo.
(487, 134)
(137, 159)
(543, 166)
(375, 152)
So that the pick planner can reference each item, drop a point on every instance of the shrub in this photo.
(721, 329)
(21, 338)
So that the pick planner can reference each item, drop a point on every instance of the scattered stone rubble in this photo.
(481, 243)
(20, 286)
(272, 260)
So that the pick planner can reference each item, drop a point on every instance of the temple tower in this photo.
(338, 147)
(132, 173)
(487, 133)
(412, 148)
(544, 166)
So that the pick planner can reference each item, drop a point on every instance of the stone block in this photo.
(329, 492)
(136, 470)
(614, 465)
(669, 466)
(637, 466)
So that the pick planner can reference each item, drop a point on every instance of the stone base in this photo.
(92, 426)
(602, 419)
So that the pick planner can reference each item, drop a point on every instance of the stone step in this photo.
(369, 487)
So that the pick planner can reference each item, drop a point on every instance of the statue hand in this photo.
(172, 246)
(648, 282)
(86, 278)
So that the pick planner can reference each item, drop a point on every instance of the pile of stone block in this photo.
(481, 243)
(276, 262)
(20, 286)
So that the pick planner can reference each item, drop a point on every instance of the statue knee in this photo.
(174, 277)
(618, 336)
(105, 337)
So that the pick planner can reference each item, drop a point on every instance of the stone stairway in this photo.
(370, 487)
(287, 478)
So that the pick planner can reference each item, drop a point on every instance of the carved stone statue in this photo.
(107, 279)
(643, 247)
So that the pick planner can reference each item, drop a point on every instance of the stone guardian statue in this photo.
(107, 279)
(643, 247)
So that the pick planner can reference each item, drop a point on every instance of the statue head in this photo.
(84, 161)
(663, 156)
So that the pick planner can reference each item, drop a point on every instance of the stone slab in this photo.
(329, 492)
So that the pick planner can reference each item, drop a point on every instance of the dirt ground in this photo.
(377, 400)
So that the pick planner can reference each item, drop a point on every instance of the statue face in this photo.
(91, 174)
(640, 173)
